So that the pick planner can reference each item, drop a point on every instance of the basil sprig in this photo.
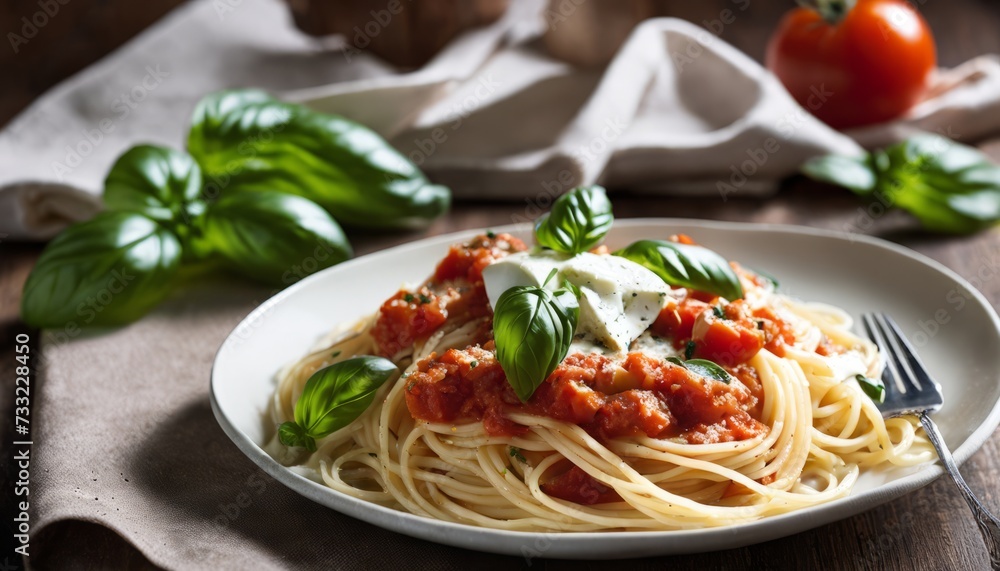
(578, 221)
(333, 398)
(874, 388)
(256, 194)
(686, 265)
(249, 142)
(704, 368)
(947, 186)
(107, 271)
(533, 329)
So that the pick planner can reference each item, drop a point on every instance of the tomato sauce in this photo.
(639, 395)
(575, 485)
(466, 261)
(455, 292)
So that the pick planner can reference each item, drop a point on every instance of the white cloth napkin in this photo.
(678, 110)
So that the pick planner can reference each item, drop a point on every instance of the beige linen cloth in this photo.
(124, 436)
(677, 110)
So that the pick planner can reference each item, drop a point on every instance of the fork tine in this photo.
(905, 374)
(890, 374)
(914, 362)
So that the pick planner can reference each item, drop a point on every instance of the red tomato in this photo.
(867, 66)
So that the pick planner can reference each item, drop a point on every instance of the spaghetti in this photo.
(629, 441)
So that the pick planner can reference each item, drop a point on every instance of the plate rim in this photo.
(632, 543)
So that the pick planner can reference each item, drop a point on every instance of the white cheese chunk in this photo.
(619, 299)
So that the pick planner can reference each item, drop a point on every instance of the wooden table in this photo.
(928, 529)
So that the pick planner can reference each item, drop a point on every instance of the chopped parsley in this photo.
(424, 299)
(516, 453)
(473, 364)
(689, 349)
(335, 354)
(408, 298)
(491, 234)
(718, 312)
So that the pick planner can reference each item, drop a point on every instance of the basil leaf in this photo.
(947, 186)
(703, 368)
(706, 368)
(874, 388)
(685, 265)
(334, 397)
(578, 221)
(248, 141)
(161, 183)
(533, 329)
(109, 270)
(272, 237)
(854, 173)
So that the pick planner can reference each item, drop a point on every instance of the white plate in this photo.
(957, 330)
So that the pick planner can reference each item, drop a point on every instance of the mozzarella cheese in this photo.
(619, 299)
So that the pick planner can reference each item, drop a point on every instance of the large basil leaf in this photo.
(533, 329)
(272, 237)
(334, 397)
(109, 270)
(248, 141)
(948, 187)
(161, 183)
(578, 221)
(685, 265)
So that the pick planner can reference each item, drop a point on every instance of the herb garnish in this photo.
(333, 398)
(874, 388)
(704, 368)
(516, 453)
(533, 329)
(686, 265)
(578, 221)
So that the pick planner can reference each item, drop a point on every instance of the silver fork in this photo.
(910, 390)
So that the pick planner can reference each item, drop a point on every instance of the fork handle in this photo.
(989, 525)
